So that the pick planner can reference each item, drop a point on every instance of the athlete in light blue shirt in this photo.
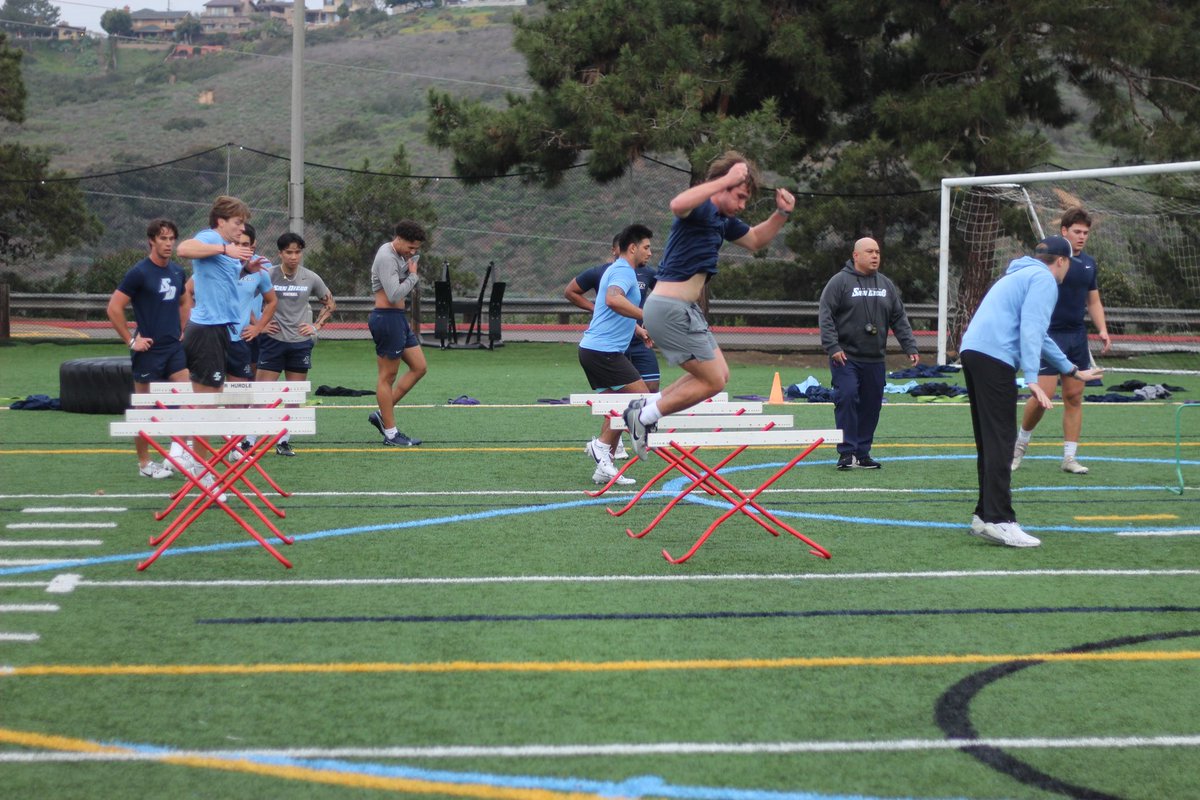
(1007, 333)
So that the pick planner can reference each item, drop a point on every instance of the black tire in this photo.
(95, 385)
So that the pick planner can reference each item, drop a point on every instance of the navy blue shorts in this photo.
(644, 360)
(1075, 345)
(277, 356)
(238, 360)
(392, 334)
(158, 363)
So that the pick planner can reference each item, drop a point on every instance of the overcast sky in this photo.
(87, 12)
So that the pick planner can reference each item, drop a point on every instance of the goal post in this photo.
(1145, 238)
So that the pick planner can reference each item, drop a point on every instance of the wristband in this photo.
(782, 213)
(224, 251)
(1074, 373)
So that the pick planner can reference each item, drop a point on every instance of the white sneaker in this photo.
(619, 452)
(976, 524)
(207, 481)
(184, 460)
(1074, 467)
(1018, 454)
(154, 470)
(606, 472)
(590, 449)
(236, 455)
(1008, 533)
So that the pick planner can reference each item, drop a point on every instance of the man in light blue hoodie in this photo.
(1007, 334)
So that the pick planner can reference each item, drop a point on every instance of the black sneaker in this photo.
(284, 449)
(866, 462)
(845, 461)
(377, 421)
(400, 440)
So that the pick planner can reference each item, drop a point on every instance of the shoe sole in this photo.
(1081, 471)
(982, 534)
(375, 420)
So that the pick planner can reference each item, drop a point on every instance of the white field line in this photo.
(51, 542)
(1192, 532)
(632, 749)
(30, 526)
(19, 637)
(495, 492)
(29, 607)
(74, 509)
(27, 562)
(542, 579)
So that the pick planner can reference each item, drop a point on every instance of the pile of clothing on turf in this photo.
(1136, 391)
(812, 391)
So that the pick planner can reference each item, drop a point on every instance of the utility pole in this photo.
(296, 179)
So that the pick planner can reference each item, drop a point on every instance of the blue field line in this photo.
(636, 787)
(669, 489)
(242, 543)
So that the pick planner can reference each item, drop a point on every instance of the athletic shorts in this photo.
(644, 360)
(277, 356)
(238, 360)
(678, 329)
(206, 346)
(607, 371)
(1075, 345)
(392, 334)
(158, 363)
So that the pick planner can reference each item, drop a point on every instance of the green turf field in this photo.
(463, 621)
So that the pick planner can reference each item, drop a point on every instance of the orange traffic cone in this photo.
(776, 392)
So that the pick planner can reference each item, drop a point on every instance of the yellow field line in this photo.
(330, 777)
(446, 667)
(1117, 518)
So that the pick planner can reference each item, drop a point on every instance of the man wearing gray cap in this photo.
(1007, 334)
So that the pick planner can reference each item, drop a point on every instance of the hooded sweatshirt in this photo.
(1010, 324)
(851, 301)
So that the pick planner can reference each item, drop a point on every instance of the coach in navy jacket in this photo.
(858, 306)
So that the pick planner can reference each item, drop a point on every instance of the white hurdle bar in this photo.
(622, 399)
(773, 437)
(259, 398)
(724, 407)
(711, 421)
(170, 387)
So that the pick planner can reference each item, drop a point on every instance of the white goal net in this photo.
(1145, 237)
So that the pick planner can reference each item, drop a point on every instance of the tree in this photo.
(41, 214)
(189, 29)
(867, 96)
(18, 16)
(358, 218)
(116, 23)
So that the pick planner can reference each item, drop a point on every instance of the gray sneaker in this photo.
(639, 433)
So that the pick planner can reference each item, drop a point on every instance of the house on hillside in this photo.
(313, 17)
(68, 33)
(227, 16)
(150, 24)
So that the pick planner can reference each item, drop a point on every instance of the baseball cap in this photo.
(1054, 246)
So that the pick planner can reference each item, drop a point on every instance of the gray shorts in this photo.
(679, 330)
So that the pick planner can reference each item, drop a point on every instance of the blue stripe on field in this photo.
(635, 787)
(715, 615)
(667, 491)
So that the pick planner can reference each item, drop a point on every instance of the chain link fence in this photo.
(535, 238)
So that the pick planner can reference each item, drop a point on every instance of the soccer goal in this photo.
(1145, 238)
